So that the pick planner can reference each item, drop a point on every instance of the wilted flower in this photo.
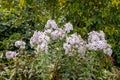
(112, 59)
(68, 27)
(20, 44)
(11, 54)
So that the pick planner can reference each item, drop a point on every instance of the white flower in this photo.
(92, 46)
(51, 66)
(108, 51)
(101, 44)
(48, 31)
(38, 38)
(95, 36)
(74, 44)
(96, 41)
(102, 35)
(54, 34)
(40, 41)
(11, 54)
(51, 24)
(66, 46)
(34, 39)
(81, 49)
(74, 39)
(68, 27)
(20, 44)
(58, 34)
(53, 31)
(42, 47)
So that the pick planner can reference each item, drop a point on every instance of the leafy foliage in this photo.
(20, 18)
(57, 66)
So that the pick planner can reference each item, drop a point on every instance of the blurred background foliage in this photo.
(20, 18)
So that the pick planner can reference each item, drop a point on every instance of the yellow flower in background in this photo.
(110, 30)
(116, 3)
(51, 69)
(21, 3)
(12, 9)
(62, 2)
(51, 76)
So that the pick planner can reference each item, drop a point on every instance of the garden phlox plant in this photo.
(40, 40)
(73, 43)
(58, 51)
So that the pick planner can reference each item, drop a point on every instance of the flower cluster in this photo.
(74, 44)
(51, 24)
(58, 34)
(68, 27)
(52, 29)
(40, 41)
(96, 41)
(20, 44)
(11, 54)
